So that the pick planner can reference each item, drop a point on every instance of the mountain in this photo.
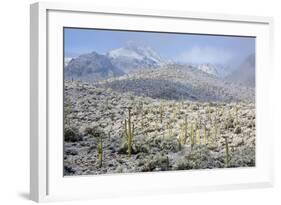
(180, 82)
(134, 57)
(213, 69)
(91, 67)
(208, 68)
(245, 73)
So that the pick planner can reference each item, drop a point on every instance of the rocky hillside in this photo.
(219, 71)
(180, 82)
(165, 134)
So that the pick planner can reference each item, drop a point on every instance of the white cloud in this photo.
(204, 55)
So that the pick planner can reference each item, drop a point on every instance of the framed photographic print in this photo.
(127, 102)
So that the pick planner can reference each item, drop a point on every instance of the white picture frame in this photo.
(46, 178)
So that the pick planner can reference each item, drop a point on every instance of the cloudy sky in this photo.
(182, 48)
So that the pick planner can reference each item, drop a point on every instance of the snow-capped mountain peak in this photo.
(144, 51)
(133, 57)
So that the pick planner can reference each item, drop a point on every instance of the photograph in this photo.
(148, 101)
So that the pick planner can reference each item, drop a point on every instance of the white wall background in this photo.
(14, 101)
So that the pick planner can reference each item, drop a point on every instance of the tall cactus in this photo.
(198, 137)
(174, 112)
(185, 129)
(142, 121)
(215, 130)
(205, 134)
(169, 127)
(227, 156)
(209, 114)
(236, 114)
(253, 120)
(183, 134)
(161, 110)
(129, 130)
(192, 136)
(100, 152)
(180, 141)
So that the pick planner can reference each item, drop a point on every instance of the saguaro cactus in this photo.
(227, 156)
(169, 127)
(236, 114)
(180, 142)
(253, 120)
(205, 134)
(209, 114)
(192, 135)
(215, 130)
(185, 128)
(174, 112)
(100, 152)
(142, 122)
(183, 134)
(198, 137)
(129, 130)
(161, 110)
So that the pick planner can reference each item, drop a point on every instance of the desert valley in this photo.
(130, 110)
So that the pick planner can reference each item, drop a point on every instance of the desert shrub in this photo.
(123, 149)
(94, 132)
(237, 130)
(71, 134)
(195, 107)
(119, 169)
(229, 123)
(213, 104)
(168, 145)
(88, 131)
(211, 110)
(141, 148)
(243, 157)
(184, 164)
(146, 112)
(136, 148)
(68, 170)
(158, 163)
(251, 124)
(99, 91)
(71, 152)
(199, 158)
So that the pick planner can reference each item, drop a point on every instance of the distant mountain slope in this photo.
(245, 74)
(176, 82)
(91, 67)
(143, 72)
(213, 69)
(208, 68)
(133, 57)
